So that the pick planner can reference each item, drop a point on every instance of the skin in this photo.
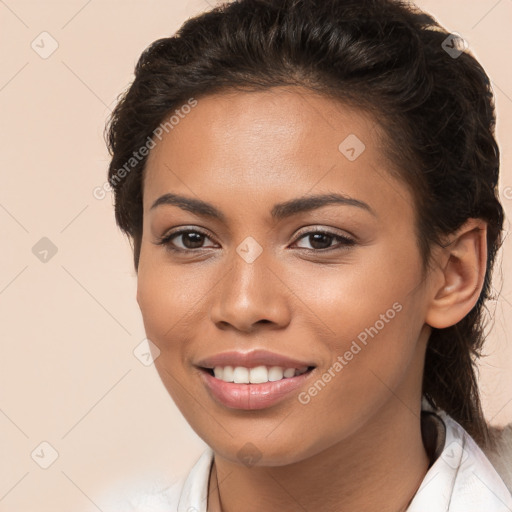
(357, 444)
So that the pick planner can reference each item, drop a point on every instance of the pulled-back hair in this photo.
(386, 57)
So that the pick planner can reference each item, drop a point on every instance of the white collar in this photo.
(461, 479)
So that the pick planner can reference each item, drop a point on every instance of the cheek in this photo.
(169, 295)
(167, 299)
(347, 300)
(368, 316)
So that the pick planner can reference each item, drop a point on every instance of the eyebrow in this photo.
(279, 211)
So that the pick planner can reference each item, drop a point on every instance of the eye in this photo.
(320, 240)
(191, 239)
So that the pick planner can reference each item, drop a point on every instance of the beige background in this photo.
(68, 374)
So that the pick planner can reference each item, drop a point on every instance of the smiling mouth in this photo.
(255, 375)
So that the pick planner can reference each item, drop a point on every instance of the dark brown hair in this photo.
(433, 101)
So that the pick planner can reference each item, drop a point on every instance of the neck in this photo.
(378, 468)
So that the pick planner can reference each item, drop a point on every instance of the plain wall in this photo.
(68, 374)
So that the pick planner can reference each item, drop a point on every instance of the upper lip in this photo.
(252, 359)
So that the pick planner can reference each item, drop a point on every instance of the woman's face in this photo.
(257, 276)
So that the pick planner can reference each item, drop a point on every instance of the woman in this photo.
(311, 191)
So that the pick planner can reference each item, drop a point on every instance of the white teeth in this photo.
(240, 375)
(227, 373)
(275, 373)
(256, 375)
(289, 372)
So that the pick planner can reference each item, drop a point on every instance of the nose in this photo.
(249, 296)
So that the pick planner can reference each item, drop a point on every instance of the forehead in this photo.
(253, 146)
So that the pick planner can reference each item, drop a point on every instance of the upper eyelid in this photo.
(185, 229)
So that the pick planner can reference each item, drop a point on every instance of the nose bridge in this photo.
(250, 292)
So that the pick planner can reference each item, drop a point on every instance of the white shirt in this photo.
(460, 480)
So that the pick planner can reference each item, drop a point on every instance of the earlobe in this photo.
(462, 275)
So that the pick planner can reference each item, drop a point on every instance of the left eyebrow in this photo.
(278, 212)
(307, 203)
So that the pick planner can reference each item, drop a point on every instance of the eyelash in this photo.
(345, 242)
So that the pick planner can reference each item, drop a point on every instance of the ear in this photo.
(461, 267)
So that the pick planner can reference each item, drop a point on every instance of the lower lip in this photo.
(252, 396)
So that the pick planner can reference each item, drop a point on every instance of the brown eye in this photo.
(189, 239)
(322, 240)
